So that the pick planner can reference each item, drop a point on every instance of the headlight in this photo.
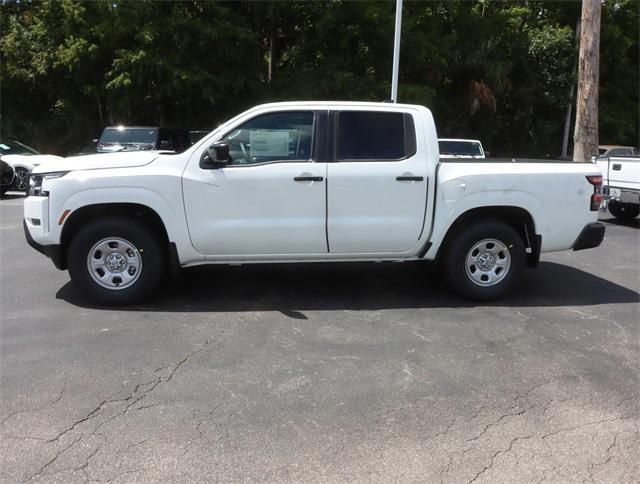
(35, 182)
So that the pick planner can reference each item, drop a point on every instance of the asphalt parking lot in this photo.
(352, 372)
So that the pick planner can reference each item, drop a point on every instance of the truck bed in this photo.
(509, 160)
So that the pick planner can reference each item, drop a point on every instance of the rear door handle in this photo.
(617, 166)
(308, 178)
(409, 178)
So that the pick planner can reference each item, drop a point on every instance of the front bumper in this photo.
(53, 252)
(591, 236)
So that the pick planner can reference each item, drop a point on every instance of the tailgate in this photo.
(623, 172)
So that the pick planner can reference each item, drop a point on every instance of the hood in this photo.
(30, 161)
(126, 159)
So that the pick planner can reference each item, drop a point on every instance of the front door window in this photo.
(275, 137)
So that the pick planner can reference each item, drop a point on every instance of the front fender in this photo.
(169, 209)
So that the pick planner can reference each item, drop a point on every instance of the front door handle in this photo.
(308, 178)
(409, 178)
(617, 166)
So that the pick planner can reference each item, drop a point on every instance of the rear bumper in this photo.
(619, 194)
(591, 236)
(53, 252)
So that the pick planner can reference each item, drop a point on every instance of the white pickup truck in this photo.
(621, 188)
(304, 182)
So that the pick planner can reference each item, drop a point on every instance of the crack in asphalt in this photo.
(610, 456)
(496, 454)
(506, 415)
(588, 424)
(130, 471)
(87, 417)
(41, 407)
(138, 393)
(166, 374)
(509, 413)
(58, 453)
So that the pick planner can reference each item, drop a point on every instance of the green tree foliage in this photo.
(497, 71)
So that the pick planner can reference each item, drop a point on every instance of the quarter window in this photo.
(618, 152)
(283, 136)
(375, 136)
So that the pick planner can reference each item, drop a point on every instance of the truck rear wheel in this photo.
(484, 260)
(623, 211)
(116, 260)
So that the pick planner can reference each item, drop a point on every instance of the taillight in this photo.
(596, 198)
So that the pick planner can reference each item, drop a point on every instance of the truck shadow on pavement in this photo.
(635, 223)
(355, 286)
(12, 196)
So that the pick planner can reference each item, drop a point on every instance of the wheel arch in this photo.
(21, 164)
(79, 217)
(518, 218)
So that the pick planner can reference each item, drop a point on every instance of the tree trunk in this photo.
(100, 109)
(585, 138)
(272, 54)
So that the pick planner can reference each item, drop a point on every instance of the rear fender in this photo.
(448, 212)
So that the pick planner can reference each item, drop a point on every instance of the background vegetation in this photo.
(497, 71)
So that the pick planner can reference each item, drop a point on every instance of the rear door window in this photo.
(375, 136)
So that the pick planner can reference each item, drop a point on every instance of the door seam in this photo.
(326, 207)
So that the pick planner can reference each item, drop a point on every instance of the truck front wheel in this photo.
(623, 211)
(116, 260)
(484, 260)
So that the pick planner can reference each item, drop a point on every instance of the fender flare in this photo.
(172, 216)
(452, 212)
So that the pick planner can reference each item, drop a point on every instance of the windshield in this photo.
(460, 148)
(129, 136)
(16, 148)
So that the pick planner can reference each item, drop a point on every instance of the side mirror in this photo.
(166, 145)
(95, 141)
(216, 156)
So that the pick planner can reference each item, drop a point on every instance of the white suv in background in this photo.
(23, 159)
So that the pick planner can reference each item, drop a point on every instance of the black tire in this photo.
(3, 189)
(459, 247)
(624, 211)
(21, 181)
(150, 249)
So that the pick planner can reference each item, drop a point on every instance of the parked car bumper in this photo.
(591, 236)
(624, 195)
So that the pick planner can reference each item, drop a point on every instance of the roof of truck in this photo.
(363, 104)
(124, 126)
(460, 139)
